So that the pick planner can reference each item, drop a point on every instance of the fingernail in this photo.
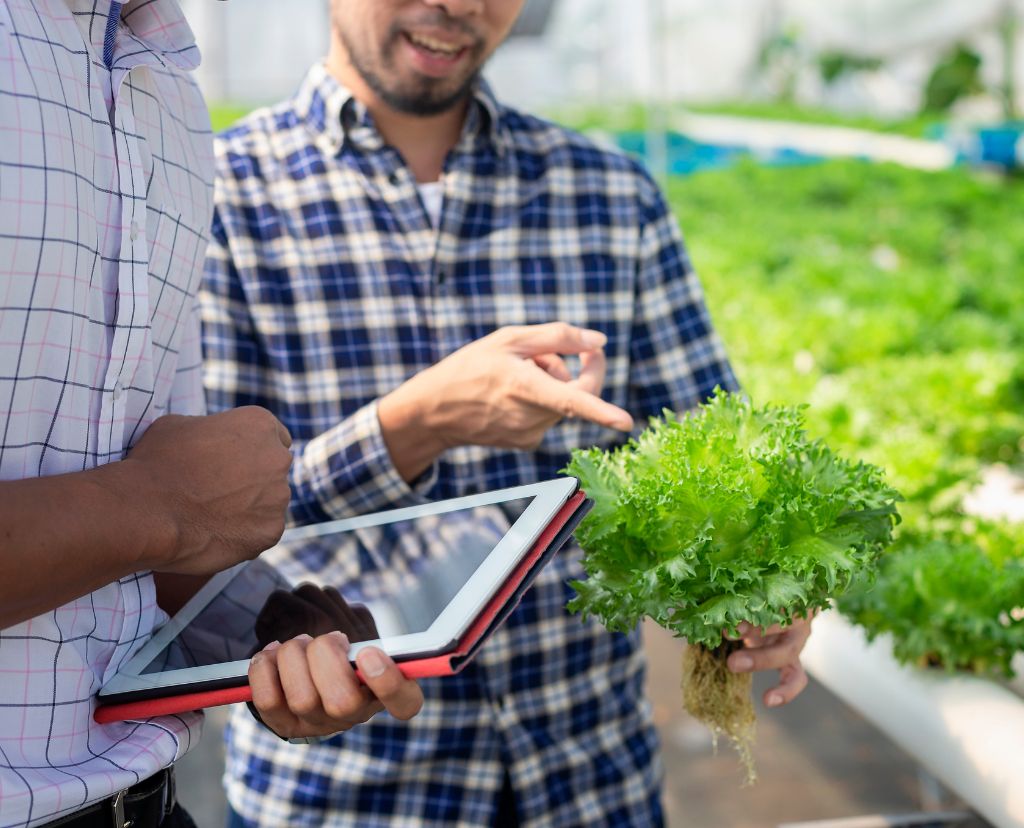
(773, 700)
(340, 637)
(273, 645)
(594, 339)
(372, 663)
(304, 637)
(740, 663)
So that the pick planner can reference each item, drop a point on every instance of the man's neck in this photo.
(423, 141)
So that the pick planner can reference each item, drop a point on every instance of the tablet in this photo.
(423, 583)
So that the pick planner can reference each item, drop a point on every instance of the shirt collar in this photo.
(158, 25)
(335, 116)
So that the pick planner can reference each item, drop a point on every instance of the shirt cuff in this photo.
(347, 471)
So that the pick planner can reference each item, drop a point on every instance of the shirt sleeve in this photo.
(186, 395)
(677, 359)
(344, 471)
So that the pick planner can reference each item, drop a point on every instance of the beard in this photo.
(421, 95)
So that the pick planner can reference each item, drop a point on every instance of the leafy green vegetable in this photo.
(727, 514)
(948, 601)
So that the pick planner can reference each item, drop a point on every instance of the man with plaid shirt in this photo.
(404, 271)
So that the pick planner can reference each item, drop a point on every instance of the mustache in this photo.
(437, 18)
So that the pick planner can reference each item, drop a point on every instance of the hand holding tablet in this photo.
(434, 581)
(306, 687)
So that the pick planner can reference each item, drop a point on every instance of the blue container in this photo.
(1002, 145)
(999, 145)
(687, 156)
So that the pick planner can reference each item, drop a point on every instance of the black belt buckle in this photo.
(117, 810)
(127, 806)
(170, 793)
(145, 804)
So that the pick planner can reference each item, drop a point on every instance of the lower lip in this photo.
(431, 63)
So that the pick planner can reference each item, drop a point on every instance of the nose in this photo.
(458, 8)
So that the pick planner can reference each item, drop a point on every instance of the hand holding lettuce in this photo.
(725, 515)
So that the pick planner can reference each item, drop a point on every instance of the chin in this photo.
(428, 98)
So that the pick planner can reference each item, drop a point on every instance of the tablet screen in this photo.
(396, 578)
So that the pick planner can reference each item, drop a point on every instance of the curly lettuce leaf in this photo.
(727, 514)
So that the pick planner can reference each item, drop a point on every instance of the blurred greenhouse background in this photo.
(846, 174)
(855, 56)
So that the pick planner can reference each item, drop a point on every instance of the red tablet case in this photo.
(555, 534)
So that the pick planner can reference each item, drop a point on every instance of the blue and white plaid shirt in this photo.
(326, 287)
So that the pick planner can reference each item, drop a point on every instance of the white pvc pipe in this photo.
(813, 139)
(967, 731)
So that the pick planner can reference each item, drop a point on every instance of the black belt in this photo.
(144, 805)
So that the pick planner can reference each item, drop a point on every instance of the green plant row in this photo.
(892, 302)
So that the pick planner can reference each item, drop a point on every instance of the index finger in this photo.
(552, 338)
(592, 370)
(268, 694)
(572, 401)
(773, 654)
(792, 681)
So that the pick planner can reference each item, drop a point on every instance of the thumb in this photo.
(554, 365)
(592, 370)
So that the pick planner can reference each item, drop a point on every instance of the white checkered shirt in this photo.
(105, 163)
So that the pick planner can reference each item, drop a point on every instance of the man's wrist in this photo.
(140, 500)
(412, 442)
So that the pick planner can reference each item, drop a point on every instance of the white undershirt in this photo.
(432, 195)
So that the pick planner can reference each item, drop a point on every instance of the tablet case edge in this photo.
(498, 609)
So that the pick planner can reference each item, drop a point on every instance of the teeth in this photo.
(435, 45)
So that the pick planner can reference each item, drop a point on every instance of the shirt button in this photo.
(393, 178)
(133, 231)
(118, 390)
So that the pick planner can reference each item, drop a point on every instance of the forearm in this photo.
(64, 536)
